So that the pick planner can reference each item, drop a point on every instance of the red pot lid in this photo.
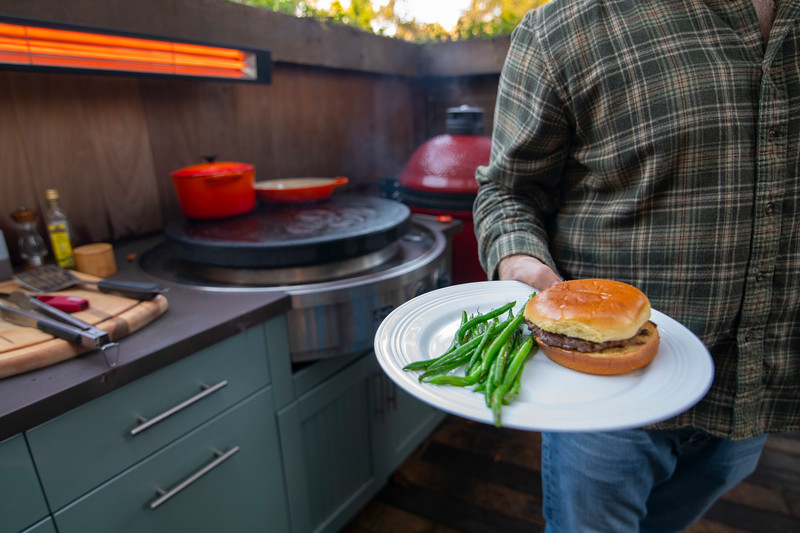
(212, 169)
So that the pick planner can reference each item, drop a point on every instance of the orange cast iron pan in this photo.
(298, 190)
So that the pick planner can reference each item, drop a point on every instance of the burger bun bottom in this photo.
(619, 360)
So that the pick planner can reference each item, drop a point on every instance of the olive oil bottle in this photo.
(58, 230)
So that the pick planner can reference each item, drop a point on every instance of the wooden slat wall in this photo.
(108, 143)
(88, 137)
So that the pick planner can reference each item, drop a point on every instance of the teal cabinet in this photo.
(343, 438)
(225, 475)
(191, 447)
(45, 526)
(401, 423)
(327, 450)
(110, 434)
(22, 503)
(233, 438)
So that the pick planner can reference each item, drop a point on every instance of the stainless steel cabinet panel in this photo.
(79, 450)
(21, 500)
(243, 492)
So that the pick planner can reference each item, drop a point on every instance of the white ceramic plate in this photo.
(552, 398)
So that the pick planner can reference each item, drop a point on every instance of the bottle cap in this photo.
(51, 194)
(23, 215)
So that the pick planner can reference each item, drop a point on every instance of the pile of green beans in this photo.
(486, 353)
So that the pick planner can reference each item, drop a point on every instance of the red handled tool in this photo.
(68, 304)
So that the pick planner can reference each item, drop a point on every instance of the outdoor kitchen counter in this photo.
(193, 321)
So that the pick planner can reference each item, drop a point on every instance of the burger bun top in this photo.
(596, 310)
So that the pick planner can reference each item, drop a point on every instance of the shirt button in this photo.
(760, 276)
(771, 135)
(747, 337)
(769, 208)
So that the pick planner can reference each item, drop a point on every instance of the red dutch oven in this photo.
(215, 189)
(439, 179)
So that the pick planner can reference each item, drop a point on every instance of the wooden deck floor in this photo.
(472, 478)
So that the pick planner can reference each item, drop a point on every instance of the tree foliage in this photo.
(489, 18)
(483, 19)
(298, 8)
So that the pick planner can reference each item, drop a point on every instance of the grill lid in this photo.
(343, 227)
(441, 173)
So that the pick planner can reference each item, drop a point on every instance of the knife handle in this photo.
(131, 289)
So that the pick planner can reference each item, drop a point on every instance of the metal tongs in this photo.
(28, 311)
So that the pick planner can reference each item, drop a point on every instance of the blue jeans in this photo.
(637, 480)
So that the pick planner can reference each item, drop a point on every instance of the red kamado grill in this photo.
(439, 179)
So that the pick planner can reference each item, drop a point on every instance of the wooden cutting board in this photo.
(23, 348)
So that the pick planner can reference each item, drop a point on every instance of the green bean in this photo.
(502, 359)
(501, 339)
(514, 368)
(491, 351)
(444, 369)
(454, 344)
(453, 360)
(478, 353)
(458, 381)
(426, 363)
(516, 385)
(496, 368)
(419, 365)
(447, 358)
(519, 359)
(482, 318)
(513, 391)
(466, 348)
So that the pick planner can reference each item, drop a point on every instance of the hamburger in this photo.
(597, 326)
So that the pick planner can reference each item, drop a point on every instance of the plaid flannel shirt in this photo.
(657, 142)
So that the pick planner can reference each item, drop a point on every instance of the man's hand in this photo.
(528, 270)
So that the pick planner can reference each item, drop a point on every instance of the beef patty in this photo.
(573, 343)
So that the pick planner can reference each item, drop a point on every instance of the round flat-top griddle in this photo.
(340, 228)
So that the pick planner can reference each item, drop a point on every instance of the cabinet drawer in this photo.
(243, 492)
(21, 499)
(45, 526)
(88, 445)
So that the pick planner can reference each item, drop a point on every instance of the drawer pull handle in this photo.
(163, 495)
(144, 423)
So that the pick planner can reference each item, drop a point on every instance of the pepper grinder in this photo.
(32, 248)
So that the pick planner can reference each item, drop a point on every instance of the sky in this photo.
(445, 12)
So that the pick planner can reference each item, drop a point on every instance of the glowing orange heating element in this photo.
(47, 47)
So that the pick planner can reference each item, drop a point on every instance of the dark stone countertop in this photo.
(193, 321)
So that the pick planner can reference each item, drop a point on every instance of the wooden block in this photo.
(96, 259)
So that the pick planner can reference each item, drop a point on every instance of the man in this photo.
(657, 142)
